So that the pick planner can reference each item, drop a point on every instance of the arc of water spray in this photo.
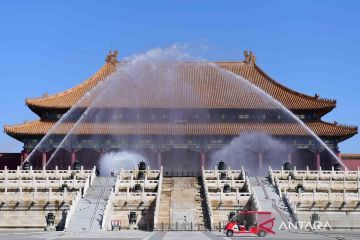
(70, 131)
(253, 86)
(52, 129)
(82, 115)
(279, 104)
(112, 77)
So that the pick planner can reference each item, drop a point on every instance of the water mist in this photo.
(164, 77)
(114, 161)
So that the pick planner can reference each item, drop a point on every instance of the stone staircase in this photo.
(165, 201)
(182, 204)
(270, 201)
(89, 212)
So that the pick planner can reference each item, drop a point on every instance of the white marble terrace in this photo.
(125, 199)
(26, 196)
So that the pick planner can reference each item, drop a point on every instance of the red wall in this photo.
(11, 160)
(351, 164)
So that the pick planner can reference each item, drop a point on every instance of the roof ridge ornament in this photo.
(250, 58)
(112, 57)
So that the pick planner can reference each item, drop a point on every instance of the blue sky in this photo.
(49, 46)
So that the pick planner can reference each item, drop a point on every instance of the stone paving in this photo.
(137, 235)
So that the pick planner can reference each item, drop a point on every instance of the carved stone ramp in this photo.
(183, 208)
(89, 212)
(181, 204)
(270, 201)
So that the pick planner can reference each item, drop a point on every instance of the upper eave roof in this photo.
(209, 89)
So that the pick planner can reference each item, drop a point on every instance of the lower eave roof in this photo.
(320, 128)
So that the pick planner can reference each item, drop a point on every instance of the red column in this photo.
(22, 157)
(202, 159)
(317, 156)
(73, 157)
(260, 160)
(159, 163)
(26, 154)
(44, 160)
(289, 157)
